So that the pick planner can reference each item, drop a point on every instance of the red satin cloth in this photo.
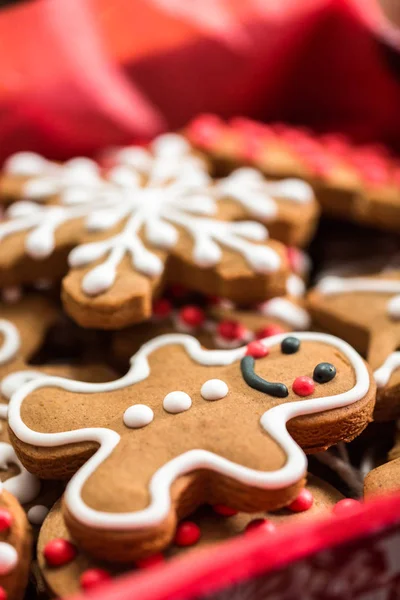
(76, 75)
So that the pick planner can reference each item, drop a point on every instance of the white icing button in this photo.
(8, 558)
(37, 514)
(138, 415)
(176, 402)
(214, 389)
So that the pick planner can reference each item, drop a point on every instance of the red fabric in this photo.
(80, 74)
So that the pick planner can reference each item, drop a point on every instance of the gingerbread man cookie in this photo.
(365, 311)
(205, 426)
(76, 571)
(158, 217)
(15, 547)
(357, 183)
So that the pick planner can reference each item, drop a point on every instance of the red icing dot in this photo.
(346, 506)
(3, 593)
(59, 552)
(150, 561)
(6, 519)
(303, 502)
(268, 331)
(257, 350)
(224, 511)
(205, 130)
(192, 315)
(231, 330)
(187, 534)
(93, 577)
(261, 525)
(162, 307)
(303, 386)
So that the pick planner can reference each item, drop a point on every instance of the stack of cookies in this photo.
(168, 355)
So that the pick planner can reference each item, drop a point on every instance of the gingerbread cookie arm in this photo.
(387, 379)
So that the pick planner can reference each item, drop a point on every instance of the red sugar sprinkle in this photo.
(346, 506)
(192, 315)
(162, 307)
(303, 502)
(205, 130)
(187, 534)
(3, 593)
(150, 561)
(224, 511)
(268, 331)
(59, 552)
(260, 525)
(93, 577)
(231, 330)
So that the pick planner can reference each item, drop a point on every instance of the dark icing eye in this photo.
(324, 372)
(290, 345)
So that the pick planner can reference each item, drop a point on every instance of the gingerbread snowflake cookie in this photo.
(67, 570)
(15, 547)
(205, 426)
(156, 215)
(357, 183)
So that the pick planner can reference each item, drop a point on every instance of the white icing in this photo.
(214, 389)
(11, 295)
(13, 381)
(251, 189)
(8, 558)
(138, 415)
(25, 164)
(37, 514)
(177, 402)
(384, 373)
(295, 286)
(333, 285)
(24, 486)
(286, 311)
(11, 341)
(178, 193)
(273, 421)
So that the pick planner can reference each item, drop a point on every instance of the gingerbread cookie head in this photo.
(204, 426)
(15, 548)
(67, 569)
(365, 311)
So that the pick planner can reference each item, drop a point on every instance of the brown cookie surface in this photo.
(194, 426)
(67, 579)
(15, 548)
(357, 183)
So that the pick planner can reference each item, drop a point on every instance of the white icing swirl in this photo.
(384, 373)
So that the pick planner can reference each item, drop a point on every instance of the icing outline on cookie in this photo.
(11, 343)
(273, 422)
(333, 285)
